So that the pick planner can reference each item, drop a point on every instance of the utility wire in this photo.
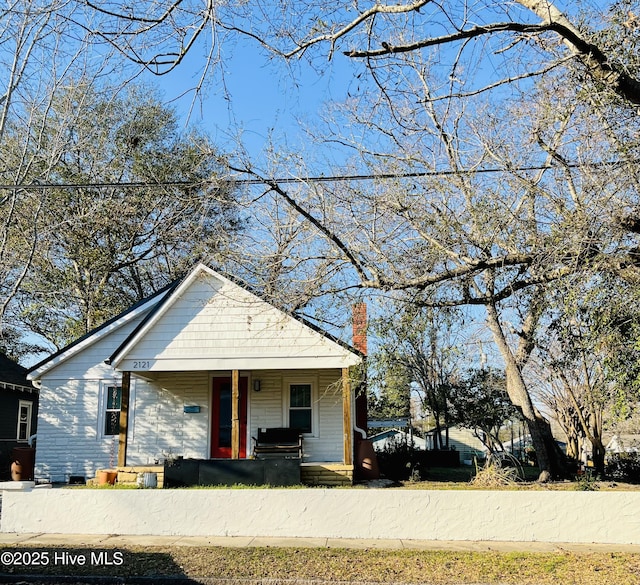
(306, 179)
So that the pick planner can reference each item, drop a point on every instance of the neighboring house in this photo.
(194, 371)
(623, 444)
(462, 440)
(521, 444)
(18, 411)
(391, 437)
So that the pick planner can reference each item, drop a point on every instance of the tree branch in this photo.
(366, 15)
(470, 33)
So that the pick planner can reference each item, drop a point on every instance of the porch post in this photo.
(124, 419)
(347, 425)
(235, 414)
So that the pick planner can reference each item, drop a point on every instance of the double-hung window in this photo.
(112, 400)
(25, 409)
(301, 407)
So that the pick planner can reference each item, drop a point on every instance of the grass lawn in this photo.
(346, 565)
(439, 478)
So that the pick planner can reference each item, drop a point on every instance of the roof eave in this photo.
(92, 336)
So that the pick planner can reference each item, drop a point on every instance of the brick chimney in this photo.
(360, 327)
(359, 341)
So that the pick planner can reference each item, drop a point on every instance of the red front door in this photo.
(221, 418)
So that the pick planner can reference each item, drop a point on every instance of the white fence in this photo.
(526, 516)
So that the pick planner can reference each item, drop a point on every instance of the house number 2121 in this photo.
(144, 365)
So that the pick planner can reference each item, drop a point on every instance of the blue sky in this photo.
(259, 97)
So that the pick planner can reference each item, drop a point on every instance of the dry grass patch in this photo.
(349, 565)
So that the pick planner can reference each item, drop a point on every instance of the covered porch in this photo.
(217, 416)
(195, 371)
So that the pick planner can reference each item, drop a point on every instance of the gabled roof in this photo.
(13, 374)
(391, 434)
(92, 336)
(227, 303)
(155, 312)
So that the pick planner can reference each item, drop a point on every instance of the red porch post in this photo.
(235, 414)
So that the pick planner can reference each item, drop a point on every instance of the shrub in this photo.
(399, 461)
(587, 483)
(492, 476)
(498, 470)
(623, 467)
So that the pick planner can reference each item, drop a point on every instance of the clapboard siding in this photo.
(268, 408)
(329, 446)
(68, 442)
(68, 433)
(465, 441)
(159, 424)
(215, 319)
(206, 327)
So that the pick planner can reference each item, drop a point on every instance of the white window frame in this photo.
(105, 385)
(315, 407)
(29, 406)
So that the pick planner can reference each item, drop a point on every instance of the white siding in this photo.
(214, 324)
(68, 417)
(68, 436)
(68, 442)
(465, 441)
(159, 424)
(267, 408)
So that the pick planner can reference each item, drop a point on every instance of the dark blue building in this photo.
(18, 412)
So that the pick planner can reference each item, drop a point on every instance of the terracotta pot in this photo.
(107, 476)
(24, 457)
(16, 471)
(366, 460)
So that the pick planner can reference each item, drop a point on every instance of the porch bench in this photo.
(282, 442)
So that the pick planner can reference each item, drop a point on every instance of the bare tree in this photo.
(473, 47)
(44, 46)
(481, 207)
(421, 347)
(491, 201)
(519, 39)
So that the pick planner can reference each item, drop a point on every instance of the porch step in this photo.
(128, 475)
(329, 474)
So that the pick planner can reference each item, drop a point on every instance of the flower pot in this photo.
(147, 479)
(16, 471)
(22, 463)
(106, 476)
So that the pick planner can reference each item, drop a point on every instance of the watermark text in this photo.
(45, 558)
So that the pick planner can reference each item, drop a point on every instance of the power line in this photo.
(306, 179)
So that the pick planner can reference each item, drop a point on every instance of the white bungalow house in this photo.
(195, 371)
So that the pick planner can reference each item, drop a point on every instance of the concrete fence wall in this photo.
(553, 516)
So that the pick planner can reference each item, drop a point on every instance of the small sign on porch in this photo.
(191, 408)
